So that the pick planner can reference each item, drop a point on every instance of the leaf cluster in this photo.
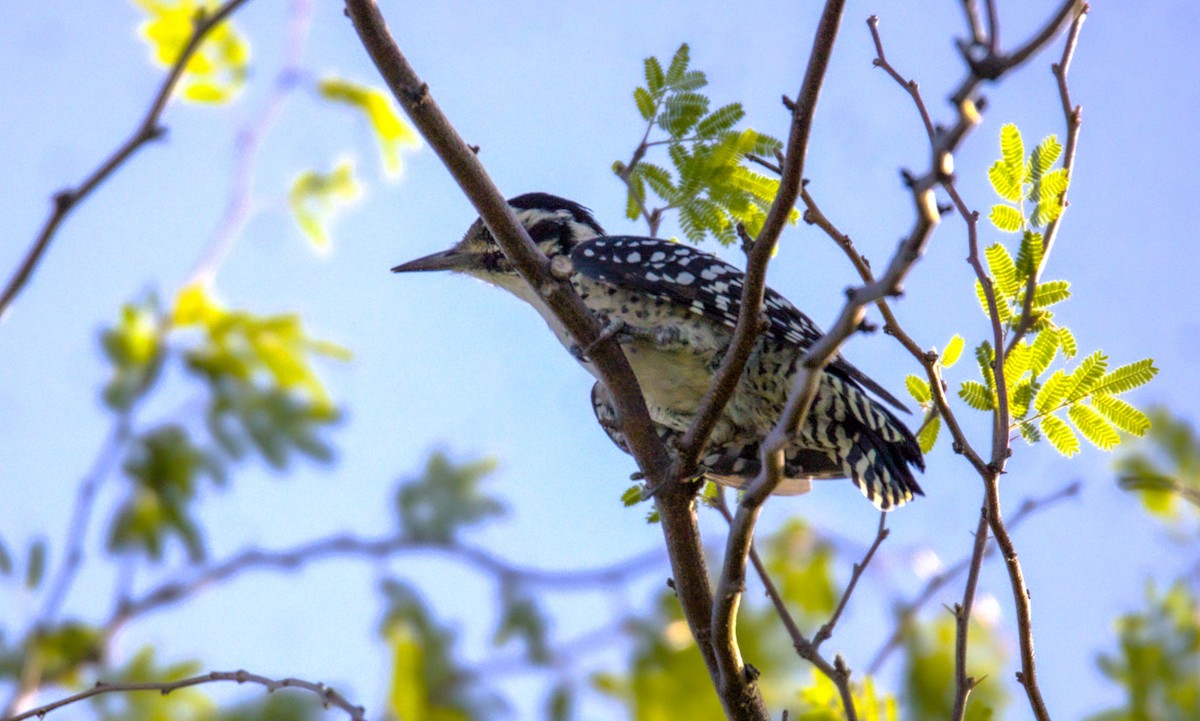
(1165, 469)
(1039, 393)
(708, 183)
(262, 395)
(217, 71)
(1158, 659)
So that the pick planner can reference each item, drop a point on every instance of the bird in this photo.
(673, 308)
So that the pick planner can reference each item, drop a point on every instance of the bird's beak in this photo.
(444, 260)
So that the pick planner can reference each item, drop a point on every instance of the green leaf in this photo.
(985, 358)
(1051, 292)
(953, 350)
(445, 499)
(1126, 377)
(679, 63)
(659, 180)
(1066, 341)
(927, 436)
(690, 80)
(1086, 377)
(1060, 435)
(1012, 151)
(1006, 218)
(1042, 158)
(1030, 433)
(1022, 397)
(1053, 392)
(655, 80)
(976, 395)
(6, 562)
(1122, 415)
(1003, 271)
(1094, 426)
(316, 199)
(218, 69)
(1005, 184)
(681, 112)
(1016, 363)
(1029, 255)
(918, 388)
(645, 104)
(720, 120)
(1042, 351)
(1003, 308)
(391, 131)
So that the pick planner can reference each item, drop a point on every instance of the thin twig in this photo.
(343, 546)
(1073, 115)
(149, 129)
(964, 684)
(328, 696)
(938, 581)
(826, 629)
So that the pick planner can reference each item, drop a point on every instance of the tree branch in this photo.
(149, 129)
(172, 592)
(675, 501)
(732, 580)
(938, 581)
(964, 684)
(328, 696)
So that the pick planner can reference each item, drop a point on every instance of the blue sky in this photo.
(443, 362)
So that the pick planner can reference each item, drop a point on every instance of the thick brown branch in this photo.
(675, 501)
(790, 183)
(328, 696)
(149, 129)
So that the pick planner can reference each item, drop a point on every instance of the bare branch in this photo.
(149, 129)
(826, 630)
(341, 546)
(328, 696)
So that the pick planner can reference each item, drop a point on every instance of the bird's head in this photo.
(554, 224)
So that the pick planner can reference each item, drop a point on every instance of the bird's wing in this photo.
(706, 285)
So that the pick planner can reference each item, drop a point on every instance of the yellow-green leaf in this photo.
(1060, 435)
(953, 351)
(317, 198)
(1006, 218)
(1094, 427)
(918, 388)
(391, 131)
(927, 436)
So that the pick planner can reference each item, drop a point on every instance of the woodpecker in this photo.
(673, 308)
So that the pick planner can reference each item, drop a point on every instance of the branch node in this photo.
(561, 267)
(788, 103)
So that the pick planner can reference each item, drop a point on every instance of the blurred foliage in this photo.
(219, 67)
(391, 131)
(262, 394)
(429, 683)
(445, 499)
(1158, 659)
(185, 704)
(1034, 192)
(1165, 469)
(929, 670)
(710, 187)
(317, 198)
